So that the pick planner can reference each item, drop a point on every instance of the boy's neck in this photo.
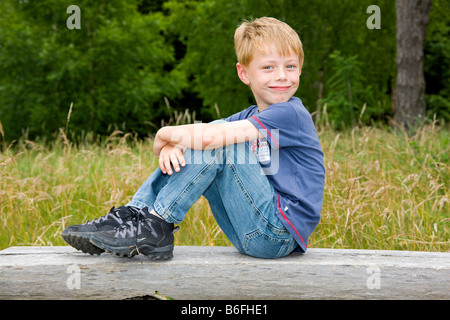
(263, 106)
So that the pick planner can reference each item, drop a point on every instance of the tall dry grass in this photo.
(46, 187)
(384, 190)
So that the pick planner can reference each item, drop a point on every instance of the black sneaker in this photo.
(145, 233)
(78, 236)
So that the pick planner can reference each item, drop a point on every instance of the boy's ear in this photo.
(242, 73)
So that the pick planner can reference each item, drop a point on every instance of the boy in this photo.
(260, 169)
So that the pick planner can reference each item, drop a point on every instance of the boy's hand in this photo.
(171, 155)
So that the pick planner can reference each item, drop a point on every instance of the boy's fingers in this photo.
(164, 165)
(174, 160)
(181, 159)
(161, 165)
(168, 166)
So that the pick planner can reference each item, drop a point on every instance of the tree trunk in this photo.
(412, 21)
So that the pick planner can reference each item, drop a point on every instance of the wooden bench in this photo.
(223, 273)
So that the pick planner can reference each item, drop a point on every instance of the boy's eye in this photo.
(291, 66)
(267, 67)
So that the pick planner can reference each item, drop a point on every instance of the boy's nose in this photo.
(281, 75)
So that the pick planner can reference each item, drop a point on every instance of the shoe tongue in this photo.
(123, 212)
(144, 213)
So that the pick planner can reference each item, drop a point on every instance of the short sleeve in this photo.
(242, 115)
(279, 124)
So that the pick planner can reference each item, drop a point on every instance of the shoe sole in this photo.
(82, 243)
(162, 253)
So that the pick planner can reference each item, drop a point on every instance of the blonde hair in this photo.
(257, 34)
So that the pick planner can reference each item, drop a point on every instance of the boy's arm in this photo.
(201, 136)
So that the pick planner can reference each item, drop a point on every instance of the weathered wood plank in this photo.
(223, 273)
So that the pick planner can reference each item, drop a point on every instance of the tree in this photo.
(116, 68)
(412, 21)
(206, 30)
(128, 56)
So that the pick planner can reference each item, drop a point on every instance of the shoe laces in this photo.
(131, 228)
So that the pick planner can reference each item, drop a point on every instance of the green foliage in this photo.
(207, 28)
(437, 61)
(130, 57)
(113, 69)
(345, 86)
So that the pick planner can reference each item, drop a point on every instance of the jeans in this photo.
(241, 198)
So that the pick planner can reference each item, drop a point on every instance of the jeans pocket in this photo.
(261, 245)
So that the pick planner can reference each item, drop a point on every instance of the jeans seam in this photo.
(258, 212)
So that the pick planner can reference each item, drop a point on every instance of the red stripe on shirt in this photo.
(268, 132)
(290, 223)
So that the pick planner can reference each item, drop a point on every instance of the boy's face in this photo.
(272, 78)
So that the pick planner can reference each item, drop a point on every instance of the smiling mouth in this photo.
(280, 88)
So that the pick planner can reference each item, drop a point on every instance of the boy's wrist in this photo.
(159, 142)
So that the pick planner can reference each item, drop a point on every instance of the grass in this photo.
(384, 189)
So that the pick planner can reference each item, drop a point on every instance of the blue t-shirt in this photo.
(294, 167)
